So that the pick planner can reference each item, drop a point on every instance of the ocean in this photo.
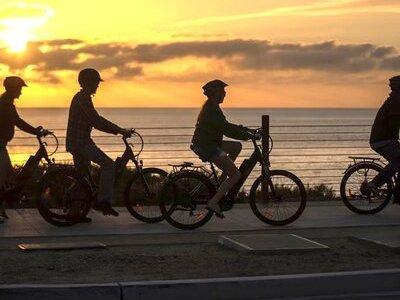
(312, 143)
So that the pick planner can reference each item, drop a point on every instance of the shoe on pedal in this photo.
(105, 208)
(108, 210)
(85, 220)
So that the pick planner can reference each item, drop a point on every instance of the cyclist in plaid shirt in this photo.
(83, 117)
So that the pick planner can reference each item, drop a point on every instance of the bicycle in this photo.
(20, 190)
(187, 190)
(59, 191)
(364, 169)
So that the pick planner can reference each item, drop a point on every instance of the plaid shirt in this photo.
(82, 118)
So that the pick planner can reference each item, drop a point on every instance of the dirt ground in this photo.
(176, 261)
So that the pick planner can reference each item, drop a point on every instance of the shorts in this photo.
(205, 153)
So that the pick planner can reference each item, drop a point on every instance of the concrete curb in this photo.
(111, 291)
(337, 284)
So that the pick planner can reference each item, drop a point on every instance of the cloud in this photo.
(128, 61)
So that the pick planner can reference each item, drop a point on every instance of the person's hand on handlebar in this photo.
(127, 133)
(257, 133)
(41, 132)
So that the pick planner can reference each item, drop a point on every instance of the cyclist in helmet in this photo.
(207, 140)
(384, 137)
(83, 117)
(9, 118)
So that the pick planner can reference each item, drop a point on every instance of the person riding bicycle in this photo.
(208, 144)
(384, 138)
(9, 118)
(83, 117)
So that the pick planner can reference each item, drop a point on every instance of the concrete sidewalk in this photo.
(28, 222)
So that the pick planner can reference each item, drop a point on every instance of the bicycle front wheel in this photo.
(142, 195)
(283, 200)
(352, 196)
(184, 198)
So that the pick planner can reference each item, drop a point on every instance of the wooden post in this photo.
(265, 153)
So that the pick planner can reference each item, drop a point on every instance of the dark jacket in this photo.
(83, 117)
(387, 121)
(9, 118)
(212, 125)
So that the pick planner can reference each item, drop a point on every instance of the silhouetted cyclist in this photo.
(9, 118)
(207, 140)
(384, 137)
(83, 117)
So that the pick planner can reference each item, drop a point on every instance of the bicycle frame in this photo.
(31, 165)
(245, 169)
(121, 163)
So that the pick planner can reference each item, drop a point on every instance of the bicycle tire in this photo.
(137, 207)
(171, 184)
(301, 191)
(344, 188)
(61, 220)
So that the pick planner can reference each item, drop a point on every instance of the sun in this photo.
(16, 42)
(17, 34)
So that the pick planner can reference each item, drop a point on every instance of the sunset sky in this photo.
(156, 53)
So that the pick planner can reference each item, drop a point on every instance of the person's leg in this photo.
(82, 165)
(226, 165)
(232, 148)
(5, 173)
(107, 176)
(391, 153)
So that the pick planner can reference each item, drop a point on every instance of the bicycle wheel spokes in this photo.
(142, 195)
(190, 201)
(62, 198)
(282, 202)
(184, 200)
(55, 195)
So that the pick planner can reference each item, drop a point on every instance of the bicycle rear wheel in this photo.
(59, 190)
(352, 196)
(184, 197)
(284, 199)
(142, 195)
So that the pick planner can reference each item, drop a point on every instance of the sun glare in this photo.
(19, 30)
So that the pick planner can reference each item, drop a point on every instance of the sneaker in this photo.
(108, 210)
(105, 208)
(216, 209)
(85, 220)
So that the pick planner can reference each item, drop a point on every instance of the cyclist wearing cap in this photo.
(83, 117)
(9, 118)
(207, 140)
(384, 137)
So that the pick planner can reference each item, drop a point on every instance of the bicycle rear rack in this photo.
(364, 159)
(188, 166)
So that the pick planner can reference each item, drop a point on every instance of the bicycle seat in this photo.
(364, 158)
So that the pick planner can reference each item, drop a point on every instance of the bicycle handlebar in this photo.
(44, 144)
(127, 144)
(260, 131)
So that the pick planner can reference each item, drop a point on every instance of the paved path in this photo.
(28, 222)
